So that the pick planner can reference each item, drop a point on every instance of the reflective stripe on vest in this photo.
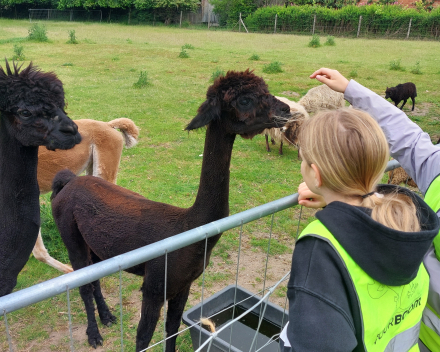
(432, 198)
(390, 315)
(431, 320)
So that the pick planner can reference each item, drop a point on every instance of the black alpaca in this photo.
(402, 92)
(31, 114)
(98, 220)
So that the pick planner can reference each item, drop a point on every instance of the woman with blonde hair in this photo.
(357, 280)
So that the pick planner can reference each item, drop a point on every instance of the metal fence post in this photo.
(359, 26)
(314, 22)
(275, 27)
(409, 28)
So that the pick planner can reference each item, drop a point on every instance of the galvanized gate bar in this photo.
(53, 287)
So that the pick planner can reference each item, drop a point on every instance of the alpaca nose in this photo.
(69, 129)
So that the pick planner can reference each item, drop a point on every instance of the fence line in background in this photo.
(67, 282)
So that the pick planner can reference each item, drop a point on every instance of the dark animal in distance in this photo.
(99, 220)
(31, 114)
(402, 92)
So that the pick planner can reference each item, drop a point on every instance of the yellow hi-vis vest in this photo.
(430, 328)
(390, 315)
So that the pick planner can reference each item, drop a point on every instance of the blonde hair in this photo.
(351, 152)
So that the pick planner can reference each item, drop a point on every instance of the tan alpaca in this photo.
(98, 154)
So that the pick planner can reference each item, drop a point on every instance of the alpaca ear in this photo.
(207, 112)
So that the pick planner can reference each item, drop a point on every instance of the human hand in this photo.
(331, 78)
(309, 199)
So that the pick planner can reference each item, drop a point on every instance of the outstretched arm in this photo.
(408, 143)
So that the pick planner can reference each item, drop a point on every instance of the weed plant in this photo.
(18, 53)
(67, 64)
(255, 57)
(273, 67)
(330, 41)
(187, 46)
(142, 81)
(315, 42)
(396, 66)
(217, 73)
(183, 54)
(353, 74)
(72, 37)
(38, 33)
(129, 41)
(416, 69)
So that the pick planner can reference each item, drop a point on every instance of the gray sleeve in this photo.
(409, 145)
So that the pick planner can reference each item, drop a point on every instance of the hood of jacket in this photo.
(389, 256)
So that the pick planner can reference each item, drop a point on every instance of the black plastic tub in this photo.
(240, 335)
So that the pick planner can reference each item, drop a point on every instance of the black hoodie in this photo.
(324, 315)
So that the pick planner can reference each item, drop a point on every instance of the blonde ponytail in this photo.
(351, 152)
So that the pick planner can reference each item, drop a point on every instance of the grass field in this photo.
(99, 74)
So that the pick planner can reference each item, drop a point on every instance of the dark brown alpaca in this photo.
(99, 220)
(31, 114)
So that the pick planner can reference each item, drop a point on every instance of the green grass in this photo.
(98, 79)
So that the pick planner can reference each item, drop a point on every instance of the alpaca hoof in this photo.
(95, 341)
(108, 320)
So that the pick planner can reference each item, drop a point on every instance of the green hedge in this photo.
(377, 20)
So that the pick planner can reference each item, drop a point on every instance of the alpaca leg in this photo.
(272, 141)
(94, 337)
(107, 318)
(150, 314)
(41, 254)
(106, 158)
(413, 101)
(267, 142)
(280, 151)
(174, 317)
(404, 102)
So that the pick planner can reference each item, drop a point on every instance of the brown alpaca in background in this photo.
(98, 154)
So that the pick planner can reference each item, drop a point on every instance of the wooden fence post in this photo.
(409, 28)
(209, 19)
(239, 23)
(275, 27)
(359, 26)
(180, 25)
(314, 21)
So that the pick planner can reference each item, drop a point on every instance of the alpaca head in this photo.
(292, 127)
(390, 92)
(32, 108)
(243, 104)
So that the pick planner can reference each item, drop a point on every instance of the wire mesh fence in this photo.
(36, 15)
(243, 304)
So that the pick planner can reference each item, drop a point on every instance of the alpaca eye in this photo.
(25, 114)
(244, 101)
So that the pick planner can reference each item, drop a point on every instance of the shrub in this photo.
(142, 81)
(315, 42)
(273, 67)
(183, 54)
(330, 40)
(254, 57)
(217, 73)
(187, 46)
(72, 38)
(396, 66)
(38, 33)
(416, 69)
(18, 53)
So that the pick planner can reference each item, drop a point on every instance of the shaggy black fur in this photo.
(402, 92)
(31, 114)
(99, 220)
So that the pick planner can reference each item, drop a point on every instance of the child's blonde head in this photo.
(351, 152)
